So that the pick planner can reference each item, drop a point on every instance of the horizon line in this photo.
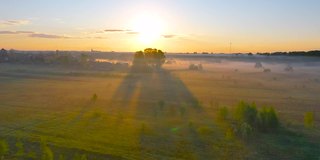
(178, 52)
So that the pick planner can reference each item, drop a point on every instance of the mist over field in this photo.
(159, 80)
(97, 105)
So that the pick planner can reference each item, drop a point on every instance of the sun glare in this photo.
(149, 27)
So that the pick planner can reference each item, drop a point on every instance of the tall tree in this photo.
(149, 58)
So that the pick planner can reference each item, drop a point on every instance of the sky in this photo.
(171, 25)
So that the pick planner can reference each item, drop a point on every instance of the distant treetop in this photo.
(149, 58)
(315, 53)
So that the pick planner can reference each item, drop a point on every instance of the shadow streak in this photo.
(165, 106)
(154, 88)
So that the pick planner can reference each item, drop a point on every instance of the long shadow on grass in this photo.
(165, 107)
(286, 144)
(84, 109)
(152, 88)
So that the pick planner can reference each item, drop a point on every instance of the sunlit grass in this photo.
(172, 115)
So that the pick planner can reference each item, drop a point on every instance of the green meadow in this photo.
(56, 112)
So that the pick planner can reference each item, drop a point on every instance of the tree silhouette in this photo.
(148, 59)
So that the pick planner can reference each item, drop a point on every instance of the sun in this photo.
(149, 28)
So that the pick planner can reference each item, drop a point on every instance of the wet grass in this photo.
(163, 115)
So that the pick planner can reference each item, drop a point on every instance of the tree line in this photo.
(315, 53)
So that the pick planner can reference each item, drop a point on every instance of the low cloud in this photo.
(117, 30)
(14, 22)
(124, 31)
(169, 36)
(132, 32)
(24, 32)
(48, 36)
(96, 32)
(7, 32)
(98, 37)
(16, 32)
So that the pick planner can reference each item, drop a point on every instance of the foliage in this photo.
(84, 59)
(143, 128)
(204, 130)
(80, 157)
(96, 115)
(191, 124)
(294, 53)
(4, 149)
(94, 97)
(309, 119)
(248, 118)
(195, 67)
(223, 113)
(182, 111)
(148, 59)
(245, 129)
(161, 104)
(46, 154)
(258, 65)
(267, 119)
(20, 149)
(247, 113)
(32, 155)
(229, 134)
(61, 157)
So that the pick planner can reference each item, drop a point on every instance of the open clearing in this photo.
(169, 114)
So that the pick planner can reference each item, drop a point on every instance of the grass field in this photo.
(171, 114)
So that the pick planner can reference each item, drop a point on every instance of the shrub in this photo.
(197, 103)
(61, 157)
(223, 113)
(258, 65)
(182, 111)
(266, 70)
(20, 149)
(200, 67)
(267, 119)
(161, 104)
(288, 69)
(143, 128)
(229, 134)
(247, 113)
(204, 130)
(249, 118)
(195, 67)
(309, 119)
(191, 124)
(80, 157)
(96, 115)
(31, 155)
(94, 97)
(46, 154)
(245, 129)
(4, 149)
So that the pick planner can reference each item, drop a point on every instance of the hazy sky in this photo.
(172, 25)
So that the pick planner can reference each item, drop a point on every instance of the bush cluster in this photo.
(195, 67)
(264, 120)
(309, 119)
(148, 60)
(246, 119)
(20, 151)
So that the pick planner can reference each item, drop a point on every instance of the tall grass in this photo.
(309, 119)
(4, 149)
(46, 152)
